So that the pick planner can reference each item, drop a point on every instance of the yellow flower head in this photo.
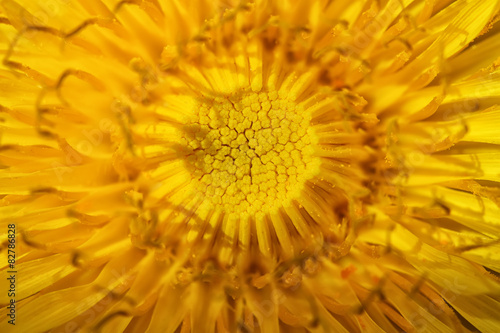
(250, 166)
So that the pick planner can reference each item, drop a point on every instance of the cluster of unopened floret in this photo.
(250, 152)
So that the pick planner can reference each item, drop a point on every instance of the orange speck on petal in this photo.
(348, 271)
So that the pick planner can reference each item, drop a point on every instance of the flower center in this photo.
(250, 152)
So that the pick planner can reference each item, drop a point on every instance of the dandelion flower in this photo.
(250, 166)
